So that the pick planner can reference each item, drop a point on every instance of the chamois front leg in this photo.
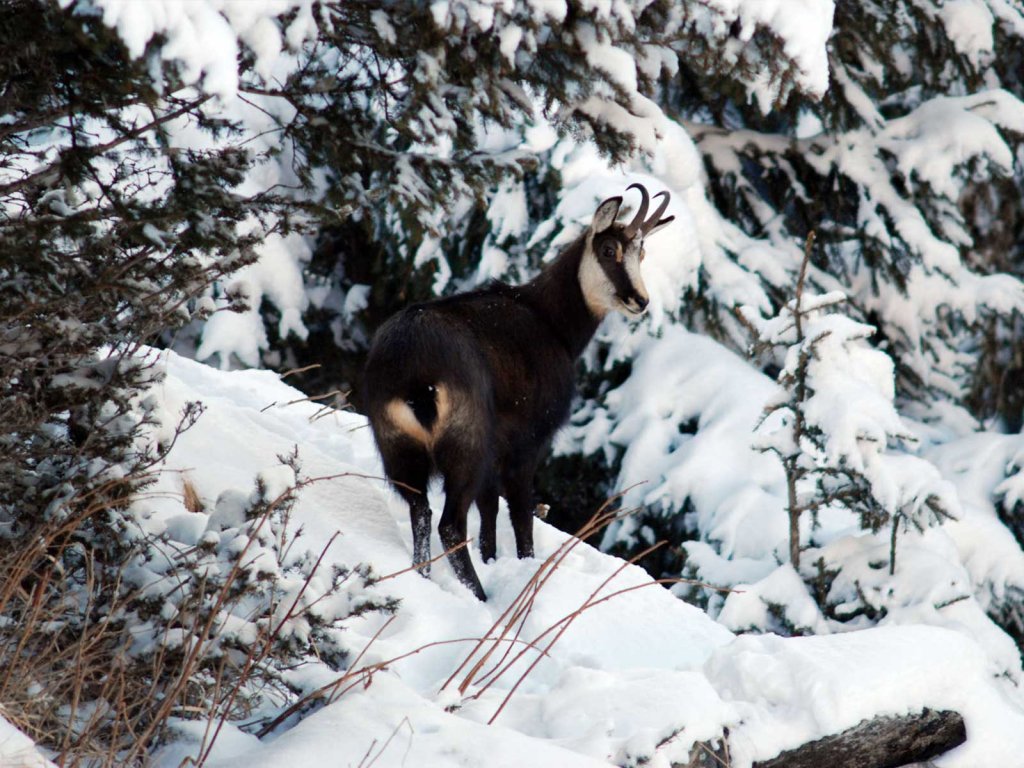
(519, 494)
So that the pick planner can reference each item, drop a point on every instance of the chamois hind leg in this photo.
(519, 494)
(407, 465)
(419, 516)
(487, 504)
(452, 529)
(464, 473)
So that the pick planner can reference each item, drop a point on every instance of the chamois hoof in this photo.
(476, 588)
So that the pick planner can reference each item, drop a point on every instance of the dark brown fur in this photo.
(473, 387)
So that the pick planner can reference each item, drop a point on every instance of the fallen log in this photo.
(883, 742)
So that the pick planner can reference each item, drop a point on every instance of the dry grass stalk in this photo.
(514, 617)
(340, 403)
(203, 633)
(357, 676)
(80, 691)
(303, 369)
(563, 625)
(505, 632)
(369, 758)
(223, 707)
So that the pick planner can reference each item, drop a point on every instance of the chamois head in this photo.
(610, 267)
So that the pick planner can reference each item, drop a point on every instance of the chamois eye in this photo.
(608, 250)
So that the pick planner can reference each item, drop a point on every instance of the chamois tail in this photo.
(421, 415)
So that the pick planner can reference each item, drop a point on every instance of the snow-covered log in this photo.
(883, 742)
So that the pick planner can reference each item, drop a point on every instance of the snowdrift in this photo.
(636, 679)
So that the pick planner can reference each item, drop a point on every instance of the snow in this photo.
(944, 132)
(984, 469)
(394, 725)
(17, 750)
(969, 24)
(849, 676)
(696, 377)
(634, 679)
(804, 27)
(941, 145)
(748, 608)
(204, 37)
(683, 428)
(241, 436)
(277, 276)
(238, 334)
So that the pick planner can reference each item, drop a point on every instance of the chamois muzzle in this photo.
(641, 224)
(636, 304)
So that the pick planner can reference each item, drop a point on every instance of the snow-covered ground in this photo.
(642, 676)
(637, 679)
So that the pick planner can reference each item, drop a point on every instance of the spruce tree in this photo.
(420, 132)
(833, 422)
(110, 232)
(121, 204)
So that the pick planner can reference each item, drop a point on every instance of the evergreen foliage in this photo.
(909, 172)
(411, 125)
(833, 421)
(900, 170)
(109, 236)
(121, 204)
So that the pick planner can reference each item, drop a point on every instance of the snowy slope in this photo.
(656, 642)
(17, 749)
(639, 677)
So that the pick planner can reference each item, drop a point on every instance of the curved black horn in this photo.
(656, 217)
(638, 221)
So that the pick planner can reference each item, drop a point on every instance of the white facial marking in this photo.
(598, 275)
(632, 263)
(598, 291)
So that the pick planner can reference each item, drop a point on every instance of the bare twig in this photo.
(364, 764)
(520, 607)
(303, 369)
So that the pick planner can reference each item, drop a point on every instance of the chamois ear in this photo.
(605, 215)
(663, 223)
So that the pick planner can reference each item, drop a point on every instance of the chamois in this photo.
(473, 387)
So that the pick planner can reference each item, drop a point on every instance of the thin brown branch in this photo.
(303, 369)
